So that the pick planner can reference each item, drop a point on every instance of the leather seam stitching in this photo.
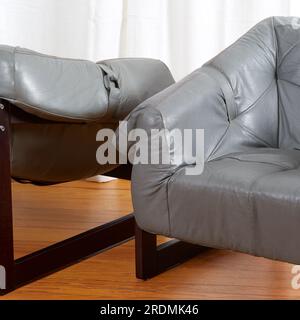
(258, 161)
(41, 111)
(229, 85)
(284, 56)
(253, 104)
(250, 132)
(289, 82)
(217, 146)
(276, 77)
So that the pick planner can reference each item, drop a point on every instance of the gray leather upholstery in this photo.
(248, 197)
(78, 90)
(62, 103)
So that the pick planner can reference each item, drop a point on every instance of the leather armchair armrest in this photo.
(196, 102)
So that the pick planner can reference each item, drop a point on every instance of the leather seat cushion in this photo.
(246, 201)
(56, 152)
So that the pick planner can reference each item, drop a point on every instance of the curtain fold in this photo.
(182, 33)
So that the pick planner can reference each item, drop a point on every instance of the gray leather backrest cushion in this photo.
(246, 74)
(77, 90)
(260, 78)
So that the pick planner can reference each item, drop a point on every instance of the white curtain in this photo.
(183, 33)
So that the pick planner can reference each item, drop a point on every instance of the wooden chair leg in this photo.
(6, 220)
(145, 253)
(152, 260)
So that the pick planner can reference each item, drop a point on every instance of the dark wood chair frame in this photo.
(152, 260)
(62, 254)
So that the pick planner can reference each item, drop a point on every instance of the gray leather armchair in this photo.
(50, 111)
(248, 196)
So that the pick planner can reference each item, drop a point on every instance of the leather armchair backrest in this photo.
(246, 73)
(259, 77)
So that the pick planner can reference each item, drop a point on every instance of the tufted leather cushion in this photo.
(260, 76)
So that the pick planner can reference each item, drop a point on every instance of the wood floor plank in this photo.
(44, 215)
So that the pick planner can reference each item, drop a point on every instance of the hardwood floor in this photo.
(44, 215)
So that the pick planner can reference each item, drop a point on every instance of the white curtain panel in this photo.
(182, 33)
